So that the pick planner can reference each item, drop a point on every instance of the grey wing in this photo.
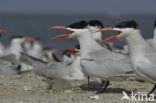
(8, 67)
(9, 59)
(33, 61)
(147, 70)
(114, 64)
(47, 70)
(105, 69)
(108, 55)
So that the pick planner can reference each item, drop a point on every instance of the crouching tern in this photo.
(56, 70)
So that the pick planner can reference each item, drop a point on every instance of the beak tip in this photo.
(52, 38)
(51, 28)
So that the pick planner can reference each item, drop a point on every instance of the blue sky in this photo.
(78, 6)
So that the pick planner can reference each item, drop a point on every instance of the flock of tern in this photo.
(93, 58)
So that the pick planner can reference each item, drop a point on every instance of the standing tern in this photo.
(8, 64)
(36, 49)
(94, 25)
(153, 40)
(142, 55)
(96, 60)
(15, 48)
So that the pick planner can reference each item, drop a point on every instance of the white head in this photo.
(125, 29)
(18, 40)
(76, 30)
(93, 26)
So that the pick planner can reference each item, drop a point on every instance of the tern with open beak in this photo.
(142, 55)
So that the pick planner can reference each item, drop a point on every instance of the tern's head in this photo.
(124, 28)
(75, 29)
(93, 26)
(20, 39)
(37, 40)
(1, 31)
(77, 46)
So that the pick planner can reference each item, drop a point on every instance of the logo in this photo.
(137, 97)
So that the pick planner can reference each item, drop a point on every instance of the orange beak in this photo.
(1, 31)
(109, 38)
(26, 39)
(61, 36)
(72, 51)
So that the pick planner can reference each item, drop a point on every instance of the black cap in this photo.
(78, 25)
(46, 48)
(65, 53)
(16, 36)
(77, 46)
(95, 23)
(127, 24)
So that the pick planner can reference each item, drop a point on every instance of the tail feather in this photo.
(56, 58)
(31, 60)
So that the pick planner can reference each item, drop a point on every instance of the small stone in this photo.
(94, 97)
(17, 76)
(68, 91)
(26, 88)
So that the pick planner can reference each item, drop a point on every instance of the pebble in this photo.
(96, 97)
(26, 88)
(68, 91)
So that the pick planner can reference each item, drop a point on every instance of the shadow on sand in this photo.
(94, 86)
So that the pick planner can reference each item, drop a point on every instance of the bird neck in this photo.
(97, 36)
(137, 45)
(37, 47)
(87, 45)
(16, 49)
(154, 38)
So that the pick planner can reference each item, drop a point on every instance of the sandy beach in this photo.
(29, 88)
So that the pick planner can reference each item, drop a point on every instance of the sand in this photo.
(29, 88)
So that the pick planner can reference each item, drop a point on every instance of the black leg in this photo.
(152, 90)
(106, 85)
(103, 83)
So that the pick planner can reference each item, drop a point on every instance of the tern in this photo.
(64, 70)
(153, 40)
(15, 47)
(8, 64)
(96, 60)
(142, 55)
(36, 49)
(94, 25)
